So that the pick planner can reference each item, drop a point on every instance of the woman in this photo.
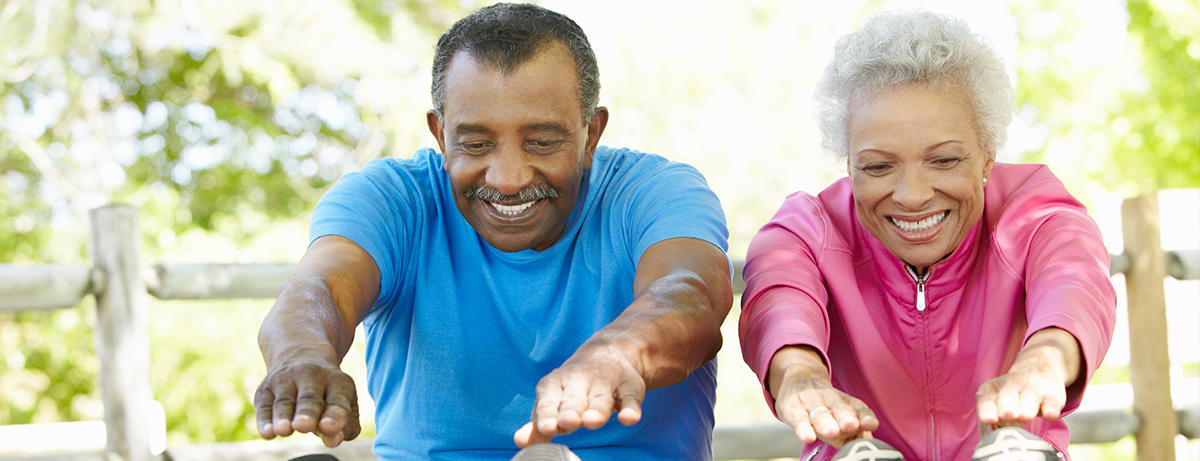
(933, 295)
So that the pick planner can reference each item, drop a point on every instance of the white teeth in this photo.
(513, 209)
(919, 226)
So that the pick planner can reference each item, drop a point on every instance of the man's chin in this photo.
(509, 243)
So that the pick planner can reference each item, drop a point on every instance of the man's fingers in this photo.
(572, 404)
(600, 407)
(341, 410)
(264, 414)
(284, 409)
(545, 410)
(310, 405)
(528, 435)
(629, 397)
(332, 440)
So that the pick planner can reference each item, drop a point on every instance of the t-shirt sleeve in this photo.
(1065, 265)
(372, 208)
(670, 200)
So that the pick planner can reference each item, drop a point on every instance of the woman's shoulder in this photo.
(1024, 188)
(1023, 199)
(827, 217)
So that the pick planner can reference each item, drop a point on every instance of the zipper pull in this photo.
(920, 286)
(921, 295)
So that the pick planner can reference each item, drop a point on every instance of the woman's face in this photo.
(918, 170)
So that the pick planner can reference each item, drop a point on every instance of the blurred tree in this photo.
(211, 117)
(1158, 131)
(1131, 128)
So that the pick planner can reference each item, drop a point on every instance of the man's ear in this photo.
(436, 129)
(595, 130)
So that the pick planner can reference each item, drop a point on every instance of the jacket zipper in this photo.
(933, 428)
(920, 302)
(920, 286)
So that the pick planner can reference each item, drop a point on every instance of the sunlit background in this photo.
(224, 121)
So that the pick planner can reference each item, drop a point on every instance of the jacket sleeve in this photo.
(1065, 267)
(785, 297)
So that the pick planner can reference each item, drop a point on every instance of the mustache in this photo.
(528, 194)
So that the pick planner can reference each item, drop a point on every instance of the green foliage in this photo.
(219, 129)
(204, 368)
(1158, 126)
(1131, 129)
(48, 377)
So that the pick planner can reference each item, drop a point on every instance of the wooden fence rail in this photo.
(119, 282)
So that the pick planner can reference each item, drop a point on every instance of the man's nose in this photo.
(509, 170)
(913, 190)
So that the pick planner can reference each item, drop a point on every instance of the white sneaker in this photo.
(1014, 444)
(867, 450)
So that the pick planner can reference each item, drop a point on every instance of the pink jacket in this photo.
(815, 276)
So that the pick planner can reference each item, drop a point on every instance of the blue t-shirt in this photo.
(462, 332)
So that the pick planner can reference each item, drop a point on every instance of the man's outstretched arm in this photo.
(304, 338)
(673, 327)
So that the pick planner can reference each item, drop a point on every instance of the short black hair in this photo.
(507, 35)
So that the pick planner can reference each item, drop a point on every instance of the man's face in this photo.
(515, 147)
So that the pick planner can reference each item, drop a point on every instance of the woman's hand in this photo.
(806, 400)
(1036, 383)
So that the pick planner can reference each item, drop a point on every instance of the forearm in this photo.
(1051, 350)
(671, 329)
(305, 322)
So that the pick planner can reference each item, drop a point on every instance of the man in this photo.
(523, 280)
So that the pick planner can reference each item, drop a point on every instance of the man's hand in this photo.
(308, 397)
(682, 294)
(584, 392)
(1036, 383)
(807, 401)
(305, 336)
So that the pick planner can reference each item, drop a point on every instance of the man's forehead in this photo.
(469, 56)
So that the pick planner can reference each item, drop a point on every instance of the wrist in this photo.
(301, 355)
(1050, 351)
(795, 364)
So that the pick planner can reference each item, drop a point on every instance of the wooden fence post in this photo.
(122, 332)
(1149, 360)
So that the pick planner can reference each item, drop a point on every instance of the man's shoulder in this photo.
(420, 174)
(625, 165)
(423, 160)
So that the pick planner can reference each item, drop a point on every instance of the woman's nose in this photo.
(913, 191)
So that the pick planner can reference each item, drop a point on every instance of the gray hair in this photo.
(899, 48)
(506, 36)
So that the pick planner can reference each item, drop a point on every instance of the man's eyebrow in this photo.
(471, 128)
(548, 126)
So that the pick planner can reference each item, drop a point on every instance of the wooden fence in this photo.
(120, 283)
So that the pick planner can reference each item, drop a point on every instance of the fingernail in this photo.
(327, 420)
